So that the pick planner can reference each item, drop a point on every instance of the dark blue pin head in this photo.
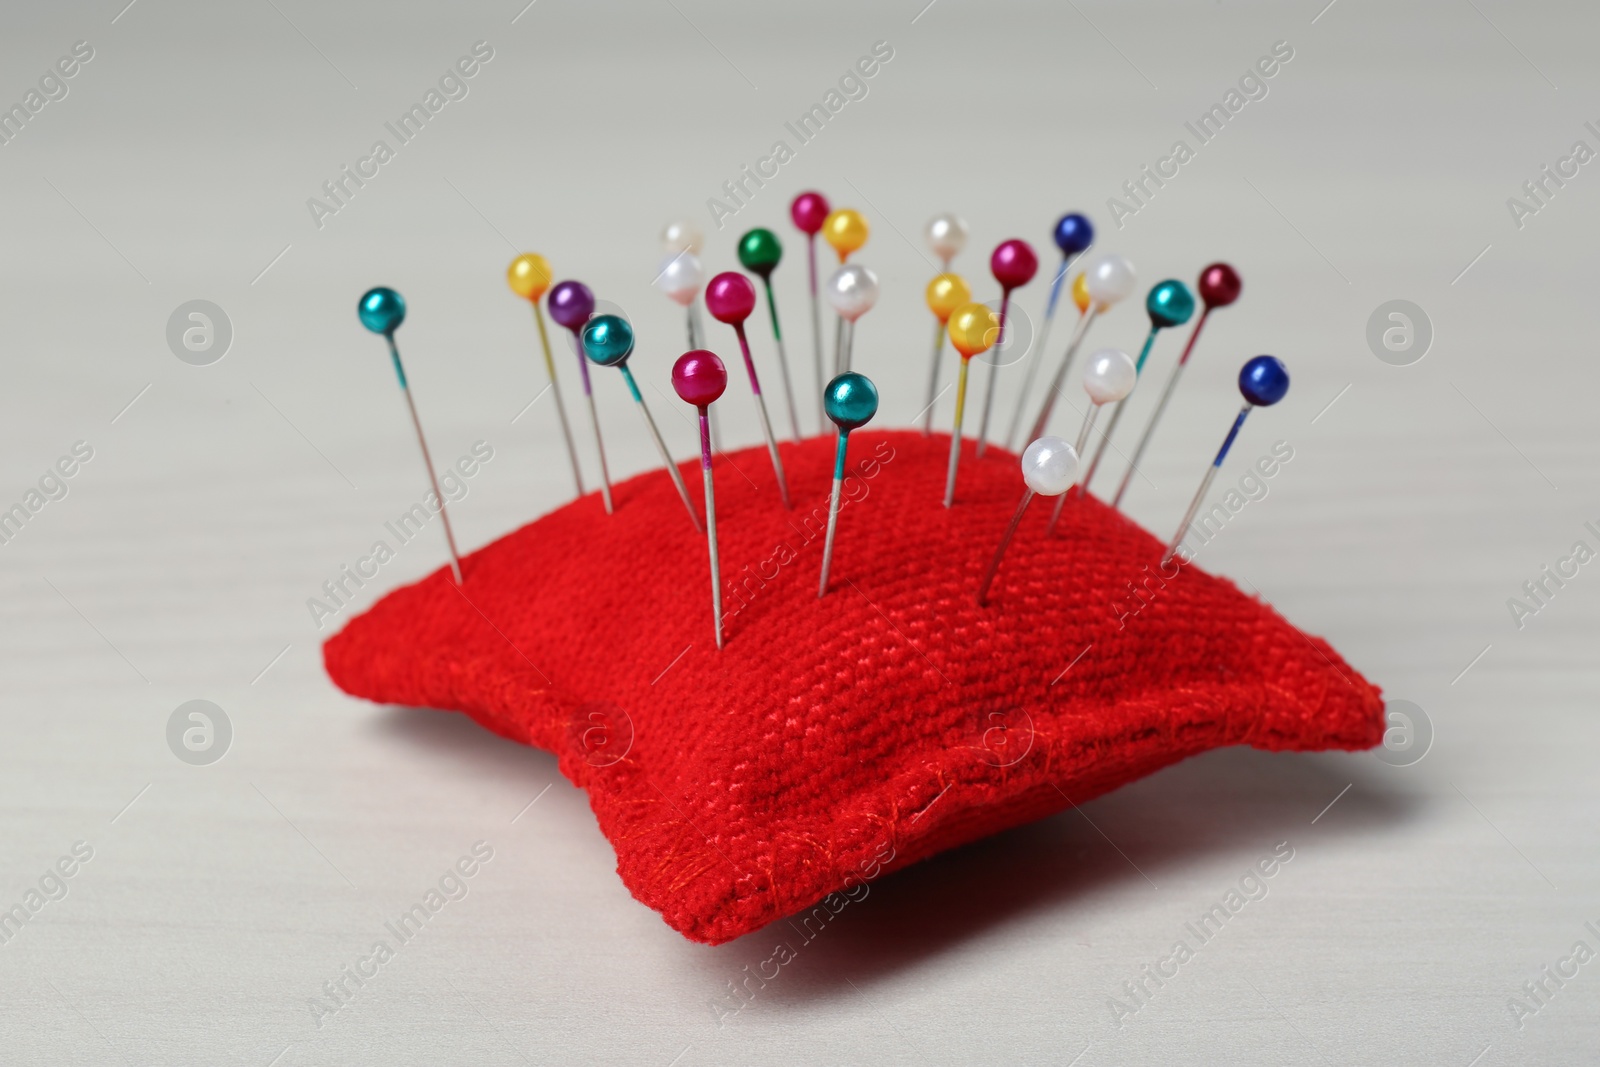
(382, 310)
(1074, 234)
(608, 340)
(1263, 381)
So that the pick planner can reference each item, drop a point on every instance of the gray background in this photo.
(221, 897)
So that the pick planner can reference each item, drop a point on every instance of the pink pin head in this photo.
(699, 377)
(1219, 285)
(808, 211)
(1013, 263)
(730, 297)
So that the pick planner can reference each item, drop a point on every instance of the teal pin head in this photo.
(382, 310)
(608, 340)
(850, 401)
(1170, 303)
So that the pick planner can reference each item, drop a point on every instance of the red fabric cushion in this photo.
(835, 739)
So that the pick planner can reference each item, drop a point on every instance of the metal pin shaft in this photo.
(1000, 550)
(427, 459)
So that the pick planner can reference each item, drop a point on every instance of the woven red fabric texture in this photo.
(834, 739)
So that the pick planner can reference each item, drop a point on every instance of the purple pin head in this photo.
(571, 304)
(1013, 263)
(699, 377)
(730, 297)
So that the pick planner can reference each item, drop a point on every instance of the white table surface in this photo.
(220, 898)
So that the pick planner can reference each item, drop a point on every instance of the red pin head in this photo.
(1219, 285)
(699, 377)
(1013, 263)
(808, 211)
(730, 297)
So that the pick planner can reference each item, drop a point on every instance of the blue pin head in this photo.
(1264, 381)
(1170, 303)
(382, 310)
(608, 340)
(1074, 234)
(850, 400)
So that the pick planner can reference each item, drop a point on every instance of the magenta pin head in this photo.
(730, 297)
(699, 377)
(808, 211)
(571, 304)
(1219, 285)
(1013, 263)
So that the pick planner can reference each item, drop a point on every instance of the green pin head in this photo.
(760, 252)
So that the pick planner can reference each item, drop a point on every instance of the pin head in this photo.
(1111, 279)
(529, 275)
(1219, 285)
(846, 230)
(1074, 233)
(730, 297)
(947, 235)
(850, 400)
(571, 304)
(682, 236)
(946, 293)
(760, 252)
(699, 377)
(1049, 466)
(1111, 375)
(382, 310)
(809, 211)
(608, 340)
(1080, 292)
(680, 277)
(1170, 304)
(973, 329)
(852, 291)
(1013, 263)
(1264, 381)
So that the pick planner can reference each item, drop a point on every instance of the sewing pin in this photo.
(1219, 287)
(608, 341)
(382, 310)
(1073, 235)
(1263, 381)
(571, 304)
(731, 298)
(1049, 466)
(852, 291)
(1169, 304)
(529, 277)
(759, 253)
(699, 378)
(846, 230)
(945, 293)
(1109, 378)
(973, 328)
(1108, 281)
(850, 401)
(809, 211)
(1013, 265)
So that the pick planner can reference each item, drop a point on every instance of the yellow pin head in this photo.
(946, 293)
(529, 275)
(973, 328)
(1080, 292)
(846, 230)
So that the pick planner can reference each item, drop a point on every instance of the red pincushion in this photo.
(836, 738)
